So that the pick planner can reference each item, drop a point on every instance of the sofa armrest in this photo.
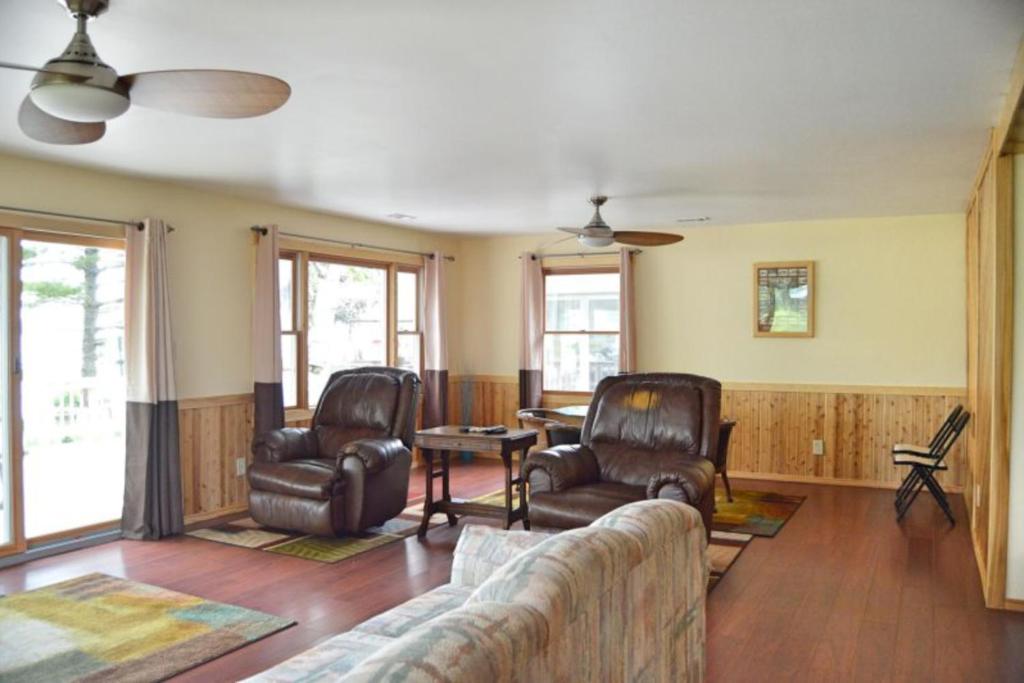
(376, 454)
(560, 468)
(282, 445)
(482, 550)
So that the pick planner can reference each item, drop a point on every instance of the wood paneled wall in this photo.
(213, 432)
(777, 423)
(772, 439)
(989, 238)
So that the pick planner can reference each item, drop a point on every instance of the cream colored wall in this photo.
(890, 290)
(210, 255)
(890, 307)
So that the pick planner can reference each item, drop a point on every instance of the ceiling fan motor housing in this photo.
(99, 98)
(89, 8)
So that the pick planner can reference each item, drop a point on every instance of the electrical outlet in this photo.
(240, 467)
(818, 447)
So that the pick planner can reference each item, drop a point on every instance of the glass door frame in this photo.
(15, 237)
(18, 542)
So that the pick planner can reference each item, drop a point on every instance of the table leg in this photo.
(428, 501)
(446, 495)
(506, 458)
(524, 509)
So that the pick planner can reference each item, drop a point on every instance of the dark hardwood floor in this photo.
(841, 593)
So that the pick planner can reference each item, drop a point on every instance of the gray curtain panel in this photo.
(435, 343)
(153, 505)
(531, 344)
(268, 393)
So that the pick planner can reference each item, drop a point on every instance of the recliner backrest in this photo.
(366, 403)
(642, 424)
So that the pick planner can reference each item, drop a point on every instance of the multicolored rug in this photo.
(246, 533)
(723, 550)
(100, 627)
(761, 513)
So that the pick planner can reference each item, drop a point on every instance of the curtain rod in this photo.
(93, 219)
(582, 254)
(348, 243)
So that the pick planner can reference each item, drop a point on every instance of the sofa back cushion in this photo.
(559, 576)
(641, 425)
(479, 642)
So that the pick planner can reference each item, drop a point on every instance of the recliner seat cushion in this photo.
(581, 505)
(307, 478)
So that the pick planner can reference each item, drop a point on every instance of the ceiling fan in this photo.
(74, 94)
(597, 233)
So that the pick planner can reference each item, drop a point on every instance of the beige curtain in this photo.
(153, 505)
(266, 335)
(435, 343)
(531, 345)
(627, 312)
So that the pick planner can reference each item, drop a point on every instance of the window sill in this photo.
(297, 415)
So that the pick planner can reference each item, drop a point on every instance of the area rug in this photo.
(724, 548)
(761, 513)
(100, 627)
(246, 533)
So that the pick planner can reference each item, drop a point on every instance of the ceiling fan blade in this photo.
(637, 238)
(39, 125)
(208, 92)
(573, 231)
(32, 69)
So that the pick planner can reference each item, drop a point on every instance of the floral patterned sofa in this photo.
(620, 600)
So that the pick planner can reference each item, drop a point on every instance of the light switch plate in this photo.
(240, 467)
(818, 447)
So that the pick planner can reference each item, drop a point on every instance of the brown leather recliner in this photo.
(350, 471)
(645, 436)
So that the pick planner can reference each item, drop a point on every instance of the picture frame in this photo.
(784, 299)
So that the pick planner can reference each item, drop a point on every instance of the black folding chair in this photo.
(924, 466)
(912, 449)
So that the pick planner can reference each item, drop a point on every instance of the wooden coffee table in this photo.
(443, 440)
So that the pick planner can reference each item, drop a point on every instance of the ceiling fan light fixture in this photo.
(79, 102)
(596, 241)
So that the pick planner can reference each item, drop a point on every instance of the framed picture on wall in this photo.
(784, 299)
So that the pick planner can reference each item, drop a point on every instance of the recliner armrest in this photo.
(687, 484)
(560, 468)
(282, 445)
(376, 454)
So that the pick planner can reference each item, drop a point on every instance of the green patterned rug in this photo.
(100, 627)
(246, 533)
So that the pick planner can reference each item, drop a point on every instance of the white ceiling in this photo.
(482, 116)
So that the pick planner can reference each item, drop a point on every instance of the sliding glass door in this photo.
(7, 485)
(72, 398)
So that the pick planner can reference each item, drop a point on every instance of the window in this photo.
(338, 313)
(410, 336)
(289, 330)
(581, 329)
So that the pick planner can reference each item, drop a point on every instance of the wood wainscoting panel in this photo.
(213, 432)
(777, 423)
